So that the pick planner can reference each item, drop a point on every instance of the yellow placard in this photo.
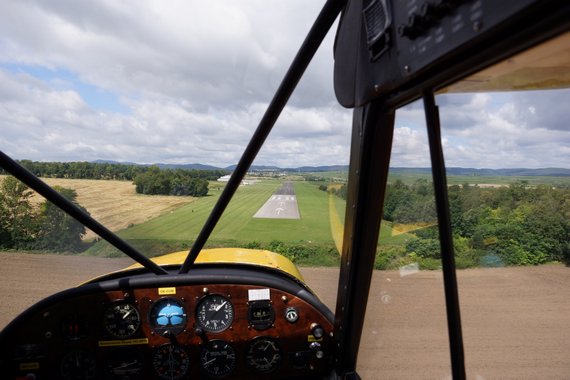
(311, 338)
(29, 366)
(166, 291)
(126, 342)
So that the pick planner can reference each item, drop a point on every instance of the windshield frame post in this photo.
(431, 111)
(371, 147)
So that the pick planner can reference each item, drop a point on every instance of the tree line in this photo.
(108, 171)
(517, 224)
(44, 226)
(147, 179)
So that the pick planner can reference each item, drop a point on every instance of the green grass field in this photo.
(409, 178)
(237, 227)
(307, 241)
(488, 180)
(238, 223)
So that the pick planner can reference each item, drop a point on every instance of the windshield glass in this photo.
(505, 140)
(139, 112)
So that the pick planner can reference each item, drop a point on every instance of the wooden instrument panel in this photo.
(174, 332)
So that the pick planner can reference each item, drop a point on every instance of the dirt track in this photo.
(516, 320)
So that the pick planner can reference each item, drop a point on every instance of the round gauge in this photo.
(214, 313)
(168, 314)
(121, 320)
(263, 355)
(171, 362)
(124, 363)
(78, 365)
(218, 359)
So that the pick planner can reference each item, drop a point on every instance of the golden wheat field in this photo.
(115, 203)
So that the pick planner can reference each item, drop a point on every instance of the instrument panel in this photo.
(172, 332)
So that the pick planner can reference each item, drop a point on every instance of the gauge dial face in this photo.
(121, 320)
(168, 314)
(171, 362)
(215, 313)
(78, 365)
(263, 355)
(218, 359)
(125, 363)
(260, 315)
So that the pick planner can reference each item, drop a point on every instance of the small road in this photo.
(281, 205)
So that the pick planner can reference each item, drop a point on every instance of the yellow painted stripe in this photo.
(29, 366)
(127, 342)
(337, 229)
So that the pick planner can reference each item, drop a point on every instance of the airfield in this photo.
(515, 319)
(281, 205)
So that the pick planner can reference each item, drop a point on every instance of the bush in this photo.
(387, 257)
(425, 248)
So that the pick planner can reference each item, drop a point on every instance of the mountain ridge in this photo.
(550, 171)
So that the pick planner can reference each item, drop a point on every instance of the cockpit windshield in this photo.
(224, 214)
(143, 126)
(505, 140)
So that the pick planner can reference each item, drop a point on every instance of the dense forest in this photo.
(24, 225)
(148, 179)
(511, 225)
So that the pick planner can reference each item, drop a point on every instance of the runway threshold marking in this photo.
(281, 205)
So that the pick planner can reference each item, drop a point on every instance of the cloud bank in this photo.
(187, 81)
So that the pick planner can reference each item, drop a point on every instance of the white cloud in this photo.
(188, 81)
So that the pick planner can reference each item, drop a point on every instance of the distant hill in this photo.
(302, 169)
(114, 162)
(549, 172)
(259, 168)
(188, 166)
(163, 166)
(332, 168)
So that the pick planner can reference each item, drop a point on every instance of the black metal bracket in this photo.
(445, 236)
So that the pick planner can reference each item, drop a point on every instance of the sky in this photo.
(188, 81)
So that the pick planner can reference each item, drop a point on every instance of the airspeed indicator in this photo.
(214, 313)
